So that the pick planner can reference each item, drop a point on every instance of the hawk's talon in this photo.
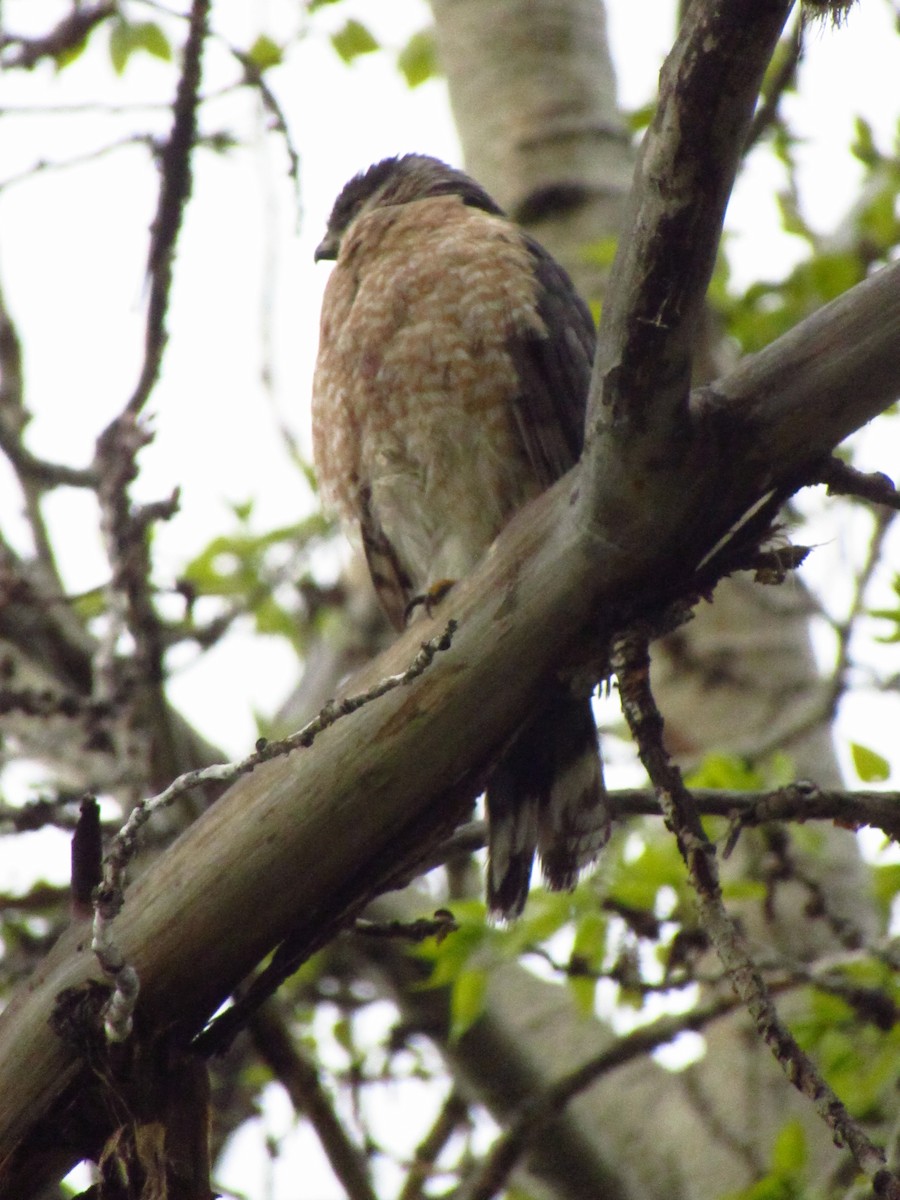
(430, 599)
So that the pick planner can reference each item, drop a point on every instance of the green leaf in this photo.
(785, 1177)
(417, 60)
(869, 765)
(886, 885)
(68, 54)
(583, 991)
(889, 614)
(600, 253)
(792, 219)
(451, 956)
(353, 40)
(342, 1032)
(789, 1153)
(863, 146)
(91, 604)
(545, 914)
(636, 883)
(467, 1000)
(148, 36)
(272, 619)
(119, 46)
(784, 52)
(639, 118)
(590, 939)
(243, 510)
(264, 53)
(125, 38)
(725, 771)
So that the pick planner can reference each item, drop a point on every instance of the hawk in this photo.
(450, 388)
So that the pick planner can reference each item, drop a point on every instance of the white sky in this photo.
(73, 250)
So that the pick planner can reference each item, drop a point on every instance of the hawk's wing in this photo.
(554, 371)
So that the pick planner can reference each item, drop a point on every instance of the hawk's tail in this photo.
(546, 796)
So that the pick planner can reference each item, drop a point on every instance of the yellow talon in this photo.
(430, 598)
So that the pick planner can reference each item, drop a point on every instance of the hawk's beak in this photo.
(327, 248)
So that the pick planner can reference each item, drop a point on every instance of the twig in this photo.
(41, 898)
(631, 663)
(439, 926)
(43, 703)
(87, 857)
(537, 1113)
(299, 1076)
(883, 519)
(175, 168)
(843, 480)
(454, 1112)
(14, 418)
(767, 113)
(824, 711)
(38, 814)
(799, 801)
(124, 533)
(44, 165)
(131, 685)
(738, 1137)
(102, 108)
(254, 78)
(69, 33)
(124, 845)
(783, 866)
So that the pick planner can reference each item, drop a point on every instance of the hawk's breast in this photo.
(413, 418)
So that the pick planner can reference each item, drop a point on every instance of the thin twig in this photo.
(631, 663)
(454, 1113)
(254, 78)
(799, 802)
(438, 927)
(843, 480)
(70, 33)
(101, 108)
(58, 813)
(175, 168)
(124, 845)
(825, 710)
(43, 165)
(536, 1114)
(131, 685)
(300, 1078)
(767, 113)
(14, 418)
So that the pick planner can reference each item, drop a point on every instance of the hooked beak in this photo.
(327, 249)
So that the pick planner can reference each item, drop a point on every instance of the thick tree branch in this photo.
(709, 86)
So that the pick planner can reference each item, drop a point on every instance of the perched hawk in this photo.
(450, 388)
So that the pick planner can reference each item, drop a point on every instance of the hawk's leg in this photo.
(430, 598)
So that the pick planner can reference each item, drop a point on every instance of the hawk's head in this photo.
(398, 181)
